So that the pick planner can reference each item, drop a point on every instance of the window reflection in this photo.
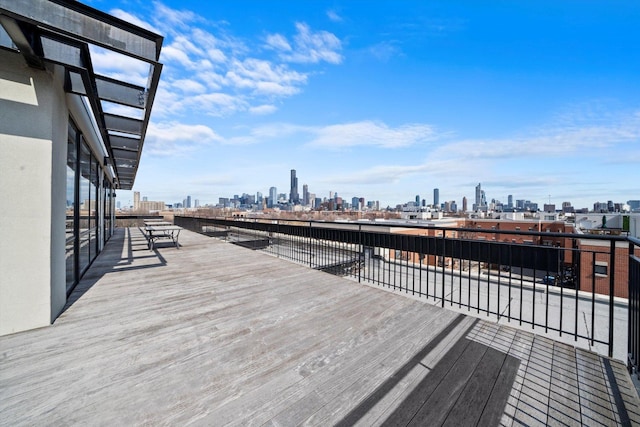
(85, 206)
(90, 207)
(70, 229)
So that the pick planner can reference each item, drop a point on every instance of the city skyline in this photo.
(392, 99)
(481, 201)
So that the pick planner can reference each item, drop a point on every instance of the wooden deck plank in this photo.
(439, 403)
(211, 333)
(340, 401)
(477, 389)
(596, 406)
(564, 404)
(326, 369)
(494, 408)
(383, 410)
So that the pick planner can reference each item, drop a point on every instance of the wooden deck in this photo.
(215, 334)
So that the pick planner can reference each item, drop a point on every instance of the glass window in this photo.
(85, 209)
(70, 229)
(89, 207)
(106, 190)
(93, 210)
(600, 269)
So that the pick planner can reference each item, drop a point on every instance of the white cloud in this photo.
(381, 174)
(333, 16)
(216, 104)
(209, 45)
(228, 75)
(211, 181)
(278, 42)
(571, 139)
(263, 109)
(264, 78)
(173, 20)
(308, 46)
(314, 47)
(173, 54)
(121, 67)
(172, 138)
(384, 51)
(189, 86)
(369, 133)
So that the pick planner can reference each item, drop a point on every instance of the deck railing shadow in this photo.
(128, 241)
(565, 284)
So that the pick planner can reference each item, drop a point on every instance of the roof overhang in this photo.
(60, 32)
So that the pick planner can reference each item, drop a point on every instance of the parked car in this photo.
(549, 280)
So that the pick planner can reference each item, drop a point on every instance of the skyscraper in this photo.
(188, 204)
(305, 194)
(294, 197)
(136, 200)
(273, 197)
(464, 204)
(355, 203)
(418, 200)
(436, 197)
(481, 199)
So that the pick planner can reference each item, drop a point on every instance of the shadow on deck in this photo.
(214, 334)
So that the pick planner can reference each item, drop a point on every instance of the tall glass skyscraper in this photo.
(273, 197)
(294, 197)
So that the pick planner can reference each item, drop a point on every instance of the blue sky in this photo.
(386, 100)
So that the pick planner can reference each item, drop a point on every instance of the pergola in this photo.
(61, 32)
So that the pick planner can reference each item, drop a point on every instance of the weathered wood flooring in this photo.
(215, 334)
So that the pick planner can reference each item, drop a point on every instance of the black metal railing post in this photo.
(361, 256)
(443, 267)
(339, 248)
(309, 245)
(633, 327)
(612, 284)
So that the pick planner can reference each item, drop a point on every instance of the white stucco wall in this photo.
(33, 127)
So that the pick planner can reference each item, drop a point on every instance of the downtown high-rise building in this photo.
(305, 195)
(294, 197)
(436, 197)
(273, 197)
(136, 200)
(481, 199)
(355, 203)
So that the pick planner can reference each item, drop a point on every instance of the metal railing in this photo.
(633, 359)
(564, 283)
(133, 220)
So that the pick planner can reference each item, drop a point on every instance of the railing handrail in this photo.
(603, 237)
(538, 260)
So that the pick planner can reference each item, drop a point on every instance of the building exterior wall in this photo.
(599, 252)
(35, 113)
(33, 118)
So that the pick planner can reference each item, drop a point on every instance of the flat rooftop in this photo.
(214, 334)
